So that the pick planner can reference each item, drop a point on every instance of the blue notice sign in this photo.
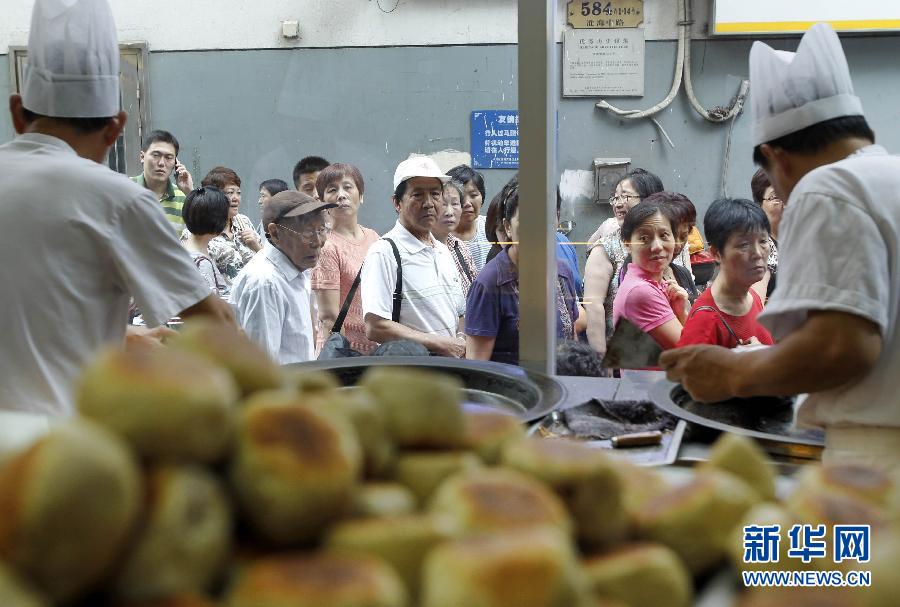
(495, 139)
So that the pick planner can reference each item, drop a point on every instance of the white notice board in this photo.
(607, 62)
(796, 16)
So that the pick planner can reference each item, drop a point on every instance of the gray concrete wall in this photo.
(260, 111)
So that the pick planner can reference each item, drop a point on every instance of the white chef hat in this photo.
(792, 91)
(72, 69)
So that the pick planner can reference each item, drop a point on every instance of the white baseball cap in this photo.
(792, 91)
(418, 166)
(73, 60)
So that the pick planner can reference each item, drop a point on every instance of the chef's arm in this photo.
(213, 307)
(829, 350)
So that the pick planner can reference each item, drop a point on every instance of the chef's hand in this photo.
(144, 337)
(183, 178)
(249, 238)
(678, 299)
(704, 371)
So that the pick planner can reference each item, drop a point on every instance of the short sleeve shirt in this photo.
(86, 239)
(642, 300)
(838, 247)
(709, 326)
(432, 299)
(339, 263)
(172, 202)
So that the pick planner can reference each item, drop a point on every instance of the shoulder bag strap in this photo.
(398, 288)
(345, 307)
(462, 263)
(200, 259)
(722, 318)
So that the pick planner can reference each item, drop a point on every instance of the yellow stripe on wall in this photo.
(802, 26)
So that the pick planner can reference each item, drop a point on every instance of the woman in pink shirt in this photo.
(654, 305)
(342, 255)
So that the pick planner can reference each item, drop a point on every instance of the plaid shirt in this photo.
(172, 202)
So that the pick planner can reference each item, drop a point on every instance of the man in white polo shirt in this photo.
(430, 306)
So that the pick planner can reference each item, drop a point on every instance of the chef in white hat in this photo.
(84, 238)
(835, 311)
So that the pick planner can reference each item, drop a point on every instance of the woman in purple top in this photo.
(492, 307)
(655, 305)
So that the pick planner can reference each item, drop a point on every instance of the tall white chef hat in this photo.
(792, 91)
(73, 60)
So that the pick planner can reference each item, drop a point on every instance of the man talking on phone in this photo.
(159, 156)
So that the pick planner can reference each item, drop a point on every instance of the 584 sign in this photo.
(605, 14)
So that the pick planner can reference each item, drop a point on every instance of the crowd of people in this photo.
(445, 277)
(86, 245)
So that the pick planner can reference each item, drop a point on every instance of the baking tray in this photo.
(662, 454)
(527, 394)
(770, 421)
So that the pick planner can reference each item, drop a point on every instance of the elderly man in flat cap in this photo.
(85, 238)
(835, 310)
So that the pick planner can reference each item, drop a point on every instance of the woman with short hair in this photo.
(656, 306)
(342, 255)
(267, 189)
(606, 256)
(764, 195)
(237, 243)
(448, 218)
(471, 228)
(725, 314)
(205, 213)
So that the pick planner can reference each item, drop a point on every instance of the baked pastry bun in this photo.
(184, 540)
(487, 431)
(318, 580)
(533, 567)
(15, 592)
(168, 405)
(226, 346)
(742, 457)
(423, 471)
(67, 506)
(495, 499)
(295, 468)
(640, 575)
(583, 477)
(383, 499)
(401, 541)
(424, 408)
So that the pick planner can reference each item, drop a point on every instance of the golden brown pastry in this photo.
(227, 347)
(533, 567)
(866, 483)
(641, 575)
(742, 457)
(295, 468)
(168, 405)
(383, 499)
(15, 592)
(318, 580)
(487, 431)
(696, 519)
(423, 471)
(311, 382)
(401, 541)
(424, 408)
(584, 478)
(494, 499)
(640, 484)
(67, 505)
(370, 422)
(767, 513)
(185, 537)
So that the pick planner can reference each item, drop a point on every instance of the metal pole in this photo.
(537, 184)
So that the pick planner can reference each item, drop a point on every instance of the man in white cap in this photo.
(429, 307)
(86, 238)
(835, 310)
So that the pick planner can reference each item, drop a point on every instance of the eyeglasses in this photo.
(309, 234)
(622, 197)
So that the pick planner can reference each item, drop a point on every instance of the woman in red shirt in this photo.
(738, 234)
